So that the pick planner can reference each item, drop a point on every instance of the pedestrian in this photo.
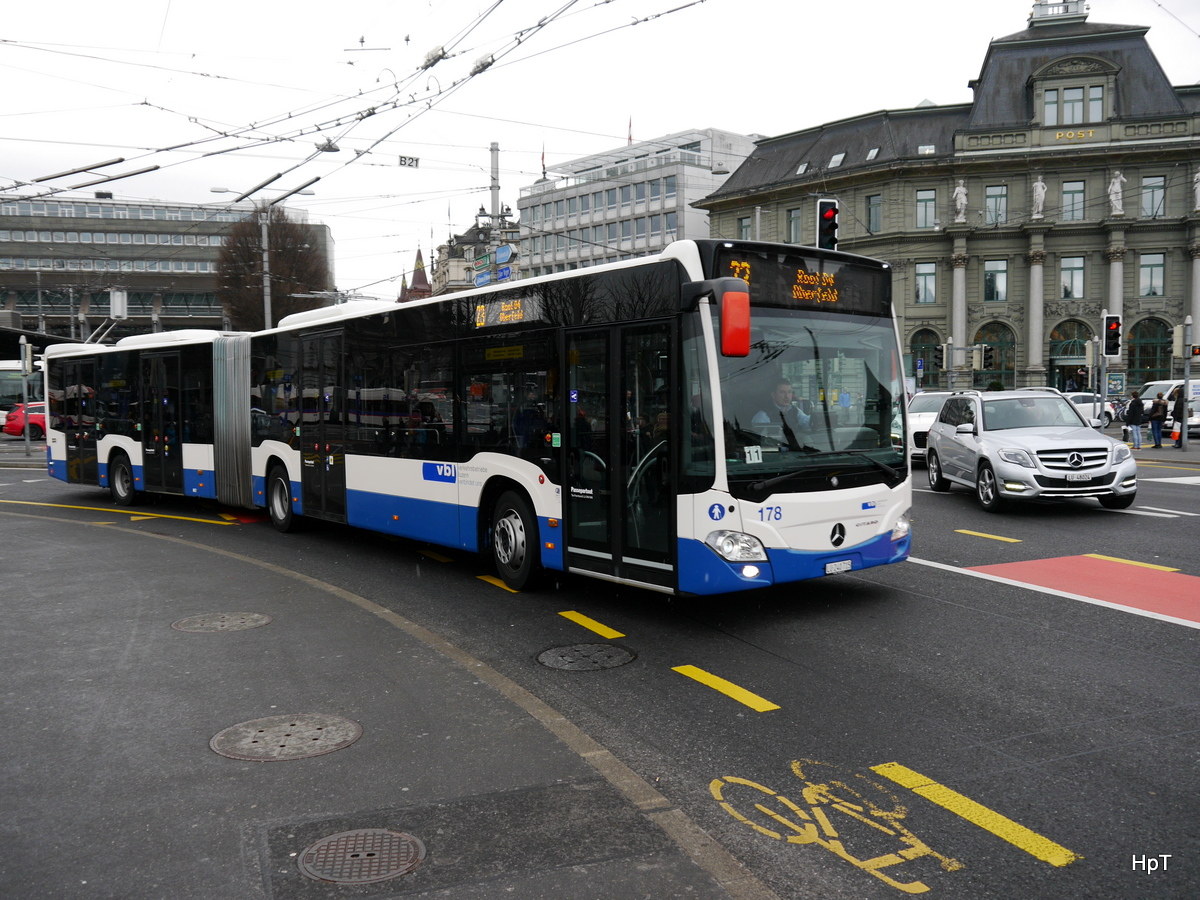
(1179, 414)
(1133, 418)
(1158, 415)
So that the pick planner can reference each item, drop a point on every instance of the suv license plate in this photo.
(1078, 476)
(842, 565)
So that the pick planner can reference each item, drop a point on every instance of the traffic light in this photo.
(977, 358)
(1177, 346)
(939, 356)
(1112, 335)
(989, 358)
(827, 224)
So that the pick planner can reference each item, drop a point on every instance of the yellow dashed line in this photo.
(591, 624)
(1017, 835)
(728, 688)
(492, 579)
(993, 537)
(1131, 562)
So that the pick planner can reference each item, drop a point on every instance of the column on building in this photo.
(960, 370)
(1035, 337)
(1194, 250)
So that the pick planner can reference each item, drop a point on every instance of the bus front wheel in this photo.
(120, 481)
(515, 542)
(279, 500)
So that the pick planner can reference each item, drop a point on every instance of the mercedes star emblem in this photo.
(1074, 460)
(838, 535)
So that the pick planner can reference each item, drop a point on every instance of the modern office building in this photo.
(60, 258)
(627, 202)
(1068, 186)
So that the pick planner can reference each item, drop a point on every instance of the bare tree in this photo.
(296, 267)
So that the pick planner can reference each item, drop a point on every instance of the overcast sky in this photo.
(228, 94)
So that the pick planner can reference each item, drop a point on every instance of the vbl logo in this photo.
(439, 472)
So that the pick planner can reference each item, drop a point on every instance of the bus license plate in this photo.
(1078, 476)
(842, 565)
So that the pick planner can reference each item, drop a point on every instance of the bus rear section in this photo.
(148, 414)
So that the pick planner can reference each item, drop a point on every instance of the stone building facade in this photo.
(1070, 185)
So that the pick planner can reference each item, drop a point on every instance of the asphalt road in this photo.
(934, 727)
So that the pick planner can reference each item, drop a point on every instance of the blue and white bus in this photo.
(614, 421)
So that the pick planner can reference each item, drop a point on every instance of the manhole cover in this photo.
(586, 657)
(212, 622)
(362, 857)
(286, 737)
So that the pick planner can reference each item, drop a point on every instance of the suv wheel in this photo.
(987, 489)
(937, 481)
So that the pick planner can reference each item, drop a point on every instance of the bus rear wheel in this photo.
(515, 542)
(279, 500)
(120, 481)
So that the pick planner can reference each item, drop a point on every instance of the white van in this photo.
(1149, 391)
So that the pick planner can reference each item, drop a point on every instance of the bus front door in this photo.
(162, 444)
(619, 497)
(79, 421)
(323, 429)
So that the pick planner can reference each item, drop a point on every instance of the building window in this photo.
(669, 186)
(875, 213)
(836, 160)
(926, 150)
(1150, 283)
(743, 228)
(560, 208)
(995, 280)
(1051, 107)
(926, 208)
(1072, 277)
(793, 226)
(626, 195)
(1153, 195)
(1096, 103)
(1072, 106)
(670, 223)
(639, 192)
(1072, 201)
(802, 168)
(872, 153)
(926, 282)
(639, 230)
(995, 200)
(610, 198)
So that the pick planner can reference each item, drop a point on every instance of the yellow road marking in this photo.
(491, 579)
(1131, 562)
(1146, 465)
(133, 516)
(436, 557)
(727, 688)
(977, 814)
(994, 537)
(229, 517)
(591, 624)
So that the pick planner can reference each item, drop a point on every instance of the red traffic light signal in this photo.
(827, 224)
(1112, 335)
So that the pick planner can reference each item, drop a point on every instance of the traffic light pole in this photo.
(1187, 382)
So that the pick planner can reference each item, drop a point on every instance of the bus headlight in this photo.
(902, 527)
(734, 546)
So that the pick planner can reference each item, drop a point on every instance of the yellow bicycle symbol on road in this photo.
(837, 809)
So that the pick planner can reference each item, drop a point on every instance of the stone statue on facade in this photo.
(960, 202)
(1115, 195)
(1196, 190)
(1039, 197)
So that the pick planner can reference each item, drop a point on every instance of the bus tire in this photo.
(279, 500)
(514, 542)
(120, 481)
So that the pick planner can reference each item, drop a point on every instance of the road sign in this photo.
(483, 262)
(482, 278)
(503, 254)
(503, 273)
(920, 364)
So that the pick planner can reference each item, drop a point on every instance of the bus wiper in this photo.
(882, 466)
(780, 479)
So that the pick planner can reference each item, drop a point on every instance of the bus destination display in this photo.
(797, 282)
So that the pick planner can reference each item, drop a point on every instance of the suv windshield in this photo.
(926, 403)
(818, 395)
(1030, 412)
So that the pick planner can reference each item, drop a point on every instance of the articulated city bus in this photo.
(619, 421)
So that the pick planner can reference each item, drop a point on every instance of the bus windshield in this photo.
(817, 404)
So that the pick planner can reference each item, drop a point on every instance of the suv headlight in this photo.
(1121, 453)
(1017, 458)
(734, 546)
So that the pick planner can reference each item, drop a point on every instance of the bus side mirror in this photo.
(735, 322)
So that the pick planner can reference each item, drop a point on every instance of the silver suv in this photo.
(1022, 445)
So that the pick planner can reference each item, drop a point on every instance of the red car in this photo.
(14, 423)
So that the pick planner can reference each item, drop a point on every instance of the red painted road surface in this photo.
(1125, 584)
